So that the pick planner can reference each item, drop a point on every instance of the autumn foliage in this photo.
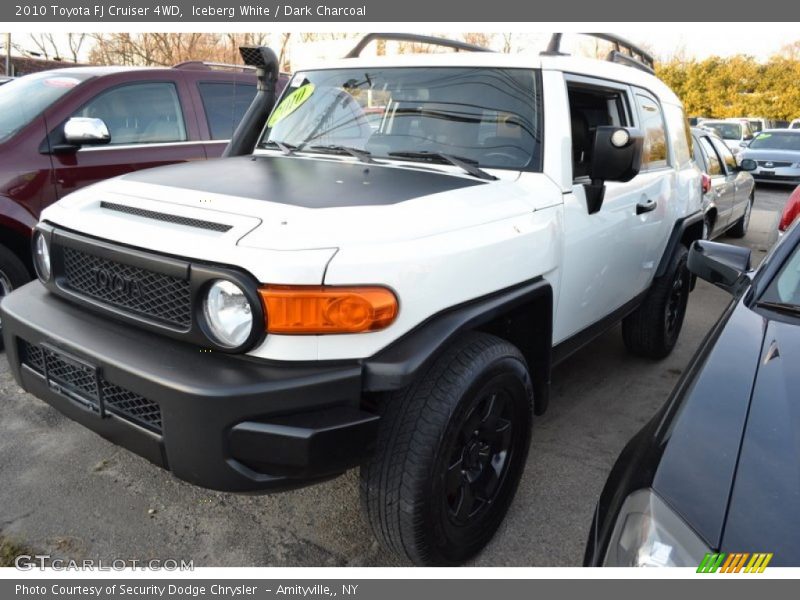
(736, 86)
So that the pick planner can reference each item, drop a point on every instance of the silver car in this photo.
(777, 154)
(728, 189)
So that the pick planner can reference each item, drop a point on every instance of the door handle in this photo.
(646, 206)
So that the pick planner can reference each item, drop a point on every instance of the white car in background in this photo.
(736, 134)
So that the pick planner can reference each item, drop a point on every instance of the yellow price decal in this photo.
(290, 104)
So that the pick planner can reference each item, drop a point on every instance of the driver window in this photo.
(591, 107)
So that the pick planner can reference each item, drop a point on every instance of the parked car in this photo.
(64, 129)
(777, 155)
(728, 189)
(795, 124)
(354, 282)
(716, 469)
(737, 134)
(790, 211)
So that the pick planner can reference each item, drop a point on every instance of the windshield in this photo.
(777, 141)
(23, 99)
(488, 116)
(727, 131)
(785, 287)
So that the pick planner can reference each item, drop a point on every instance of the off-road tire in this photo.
(12, 275)
(651, 331)
(404, 484)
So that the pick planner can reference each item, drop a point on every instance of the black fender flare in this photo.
(685, 229)
(529, 306)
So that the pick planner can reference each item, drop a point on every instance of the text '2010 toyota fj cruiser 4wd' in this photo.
(381, 273)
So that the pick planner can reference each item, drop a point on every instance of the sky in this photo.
(702, 44)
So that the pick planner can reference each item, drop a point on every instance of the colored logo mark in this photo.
(735, 562)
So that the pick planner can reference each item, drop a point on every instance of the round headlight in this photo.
(41, 256)
(228, 314)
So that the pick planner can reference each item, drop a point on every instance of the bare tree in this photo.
(45, 44)
(507, 46)
(479, 39)
(75, 41)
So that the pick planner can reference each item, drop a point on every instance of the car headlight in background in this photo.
(228, 314)
(41, 256)
(648, 533)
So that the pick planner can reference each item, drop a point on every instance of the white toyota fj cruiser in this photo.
(381, 273)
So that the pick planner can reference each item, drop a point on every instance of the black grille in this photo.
(132, 406)
(151, 214)
(80, 382)
(773, 163)
(154, 295)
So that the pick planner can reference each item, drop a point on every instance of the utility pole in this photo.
(8, 54)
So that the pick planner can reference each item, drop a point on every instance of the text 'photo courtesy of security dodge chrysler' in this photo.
(380, 273)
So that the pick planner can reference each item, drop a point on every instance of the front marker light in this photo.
(320, 310)
(228, 314)
(41, 256)
(648, 533)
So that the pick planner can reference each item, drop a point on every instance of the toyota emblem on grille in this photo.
(114, 282)
(769, 164)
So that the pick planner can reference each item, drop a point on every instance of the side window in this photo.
(654, 155)
(591, 107)
(680, 138)
(714, 165)
(725, 154)
(225, 105)
(139, 113)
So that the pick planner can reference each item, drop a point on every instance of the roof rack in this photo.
(413, 37)
(210, 66)
(624, 52)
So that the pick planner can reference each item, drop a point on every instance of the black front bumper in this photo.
(216, 420)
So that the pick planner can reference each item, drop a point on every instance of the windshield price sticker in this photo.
(290, 104)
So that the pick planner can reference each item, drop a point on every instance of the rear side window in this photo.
(725, 154)
(712, 161)
(139, 113)
(654, 155)
(225, 105)
(679, 136)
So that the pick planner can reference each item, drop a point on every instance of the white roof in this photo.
(577, 65)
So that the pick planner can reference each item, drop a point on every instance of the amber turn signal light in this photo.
(309, 310)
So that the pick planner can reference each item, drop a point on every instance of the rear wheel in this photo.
(739, 230)
(450, 453)
(653, 328)
(708, 227)
(12, 275)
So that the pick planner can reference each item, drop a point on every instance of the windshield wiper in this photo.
(784, 307)
(362, 155)
(285, 147)
(467, 164)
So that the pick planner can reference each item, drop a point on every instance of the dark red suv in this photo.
(64, 129)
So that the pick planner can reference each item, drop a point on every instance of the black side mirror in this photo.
(748, 164)
(616, 156)
(724, 265)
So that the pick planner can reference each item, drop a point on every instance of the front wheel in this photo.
(12, 275)
(652, 329)
(450, 453)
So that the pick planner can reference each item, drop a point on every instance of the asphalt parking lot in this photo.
(66, 492)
